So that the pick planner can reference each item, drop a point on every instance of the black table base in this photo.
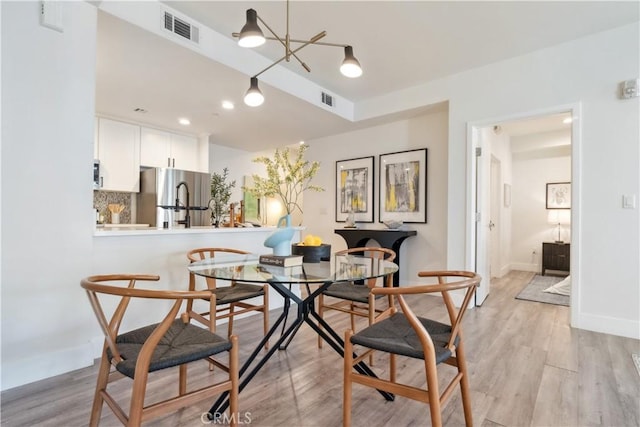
(305, 314)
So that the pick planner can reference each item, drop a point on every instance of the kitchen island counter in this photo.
(151, 231)
(151, 250)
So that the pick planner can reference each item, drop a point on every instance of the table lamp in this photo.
(559, 217)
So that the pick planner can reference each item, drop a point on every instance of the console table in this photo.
(390, 239)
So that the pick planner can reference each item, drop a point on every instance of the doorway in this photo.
(492, 248)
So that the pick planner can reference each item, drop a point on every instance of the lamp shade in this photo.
(251, 34)
(350, 66)
(254, 97)
(559, 216)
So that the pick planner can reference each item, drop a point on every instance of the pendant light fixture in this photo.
(251, 36)
(254, 97)
(350, 66)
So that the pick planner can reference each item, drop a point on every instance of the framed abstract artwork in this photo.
(354, 189)
(559, 195)
(403, 186)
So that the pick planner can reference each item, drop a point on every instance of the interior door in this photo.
(495, 228)
(483, 217)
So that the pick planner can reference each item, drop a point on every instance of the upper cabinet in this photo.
(184, 152)
(123, 147)
(118, 147)
(164, 149)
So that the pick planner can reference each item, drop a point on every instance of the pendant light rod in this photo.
(286, 43)
(305, 66)
(288, 46)
(236, 35)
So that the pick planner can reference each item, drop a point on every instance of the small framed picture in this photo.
(403, 186)
(559, 195)
(354, 189)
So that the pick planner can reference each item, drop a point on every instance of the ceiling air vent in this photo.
(181, 28)
(327, 99)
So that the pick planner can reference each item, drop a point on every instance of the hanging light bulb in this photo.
(254, 97)
(350, 66)
(251, 34)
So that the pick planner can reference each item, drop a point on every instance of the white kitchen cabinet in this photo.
(184, 151)
(164, 149)
(119, 155)
(155, 148)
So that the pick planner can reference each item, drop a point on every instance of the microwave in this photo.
(97, 181)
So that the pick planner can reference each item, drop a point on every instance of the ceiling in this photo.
(399, 44)
(535, 125)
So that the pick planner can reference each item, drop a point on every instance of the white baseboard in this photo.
(504, 270)
(521, 266)
(608, 325)
(23, 371)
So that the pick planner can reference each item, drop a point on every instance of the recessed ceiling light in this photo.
(227, 105)
(567, 120)
(301, 142)
(184, 122)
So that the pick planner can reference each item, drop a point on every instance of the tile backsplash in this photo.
(101, 199)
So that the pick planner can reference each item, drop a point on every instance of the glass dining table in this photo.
(314, 277)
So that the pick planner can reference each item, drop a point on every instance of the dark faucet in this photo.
(187, 218)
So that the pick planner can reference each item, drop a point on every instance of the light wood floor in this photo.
(527, 368)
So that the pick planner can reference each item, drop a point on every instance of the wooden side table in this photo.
(556, 256)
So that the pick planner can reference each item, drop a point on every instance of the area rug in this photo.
(534, 291)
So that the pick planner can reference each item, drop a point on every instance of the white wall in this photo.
(48, 84)
(585, 71)
(236, 161)
(425, 251)
(548, 159)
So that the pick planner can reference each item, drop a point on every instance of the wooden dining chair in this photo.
(173, 342)
(406, 334)
(229, 301)
(356, 299)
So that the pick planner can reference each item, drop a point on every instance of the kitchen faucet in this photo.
(187, 219)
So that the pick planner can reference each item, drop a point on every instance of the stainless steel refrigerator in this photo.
(163, 201)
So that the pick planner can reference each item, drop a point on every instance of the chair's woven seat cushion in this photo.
(395, 335)
(349, 291)
(182, 343)
(238, 292)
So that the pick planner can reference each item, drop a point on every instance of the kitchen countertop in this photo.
(132, 230)
(108, 226)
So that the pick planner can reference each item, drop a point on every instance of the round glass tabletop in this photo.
(247, 268)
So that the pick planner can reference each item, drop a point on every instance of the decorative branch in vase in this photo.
(220, 195)
(288, 176)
